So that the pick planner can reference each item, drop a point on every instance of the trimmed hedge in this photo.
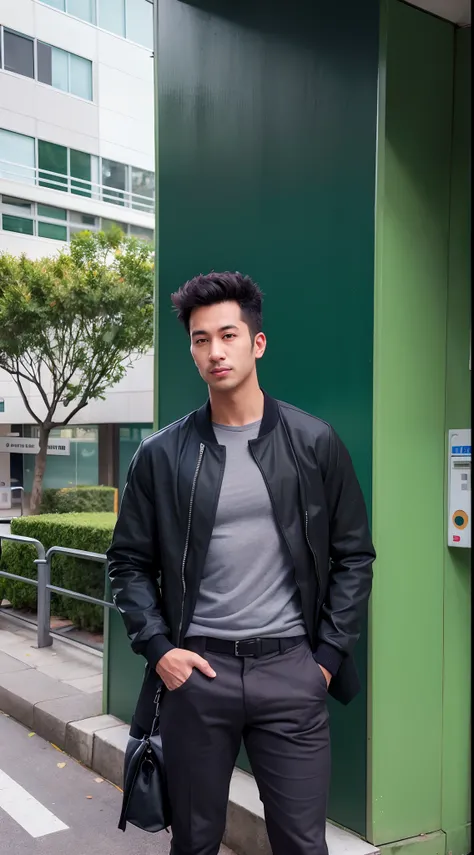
(71, 500)
(90, 532)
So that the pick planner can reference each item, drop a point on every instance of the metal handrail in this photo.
(43, 582)
(112, 195)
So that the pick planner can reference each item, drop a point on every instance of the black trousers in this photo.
(277, 704)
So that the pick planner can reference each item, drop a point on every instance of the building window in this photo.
(49, 221)
(112, 16)
(84, 168)
(143, 185)
(76, 172)
(48, 229)
(17, 224)
(82, 223)
(17, 157)
(106, 225)
(143, 234)
(17, 215)
(84, 9)
(114, 181)
(45, 72)
(52, 163)
(139, 22)
(18, 54)
(51, 213)
(56, 4)
(65, 71)
(57, 68)
(80, 76)
(52, 231)
(81, 466)
(12, 205)
(132, 19)
(86, 221)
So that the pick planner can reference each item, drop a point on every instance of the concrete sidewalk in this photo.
(57, 693)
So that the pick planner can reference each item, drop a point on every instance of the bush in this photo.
(89, 532)
(71, 500)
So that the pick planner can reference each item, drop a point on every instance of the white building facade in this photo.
(76, 152)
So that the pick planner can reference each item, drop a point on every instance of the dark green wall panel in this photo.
(267, 137)
(124, 670)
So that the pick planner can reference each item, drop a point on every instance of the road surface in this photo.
(51, 809)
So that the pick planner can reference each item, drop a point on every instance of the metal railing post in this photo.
(43, 582)
(43, 636)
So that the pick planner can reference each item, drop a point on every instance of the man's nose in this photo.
(216, 354)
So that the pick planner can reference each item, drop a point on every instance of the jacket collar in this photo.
(203, 419)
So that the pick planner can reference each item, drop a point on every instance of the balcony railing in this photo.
(33, 175)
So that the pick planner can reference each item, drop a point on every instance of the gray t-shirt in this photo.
(248, 586)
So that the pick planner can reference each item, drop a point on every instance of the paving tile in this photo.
(87, 684)
(50, 657)
(70, 669)
(20, 691)
(108, 752)
(50, 718)
(7, 639)
(9, 664)
(80, 736)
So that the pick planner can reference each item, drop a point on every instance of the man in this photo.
(241, 563)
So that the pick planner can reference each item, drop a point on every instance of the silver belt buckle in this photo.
(253, 648)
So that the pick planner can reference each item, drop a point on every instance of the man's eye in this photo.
(200, 341)
(229, 335)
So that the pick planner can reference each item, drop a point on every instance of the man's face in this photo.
(222, 347)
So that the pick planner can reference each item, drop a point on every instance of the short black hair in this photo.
(205, 290)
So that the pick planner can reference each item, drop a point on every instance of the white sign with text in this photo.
(28, 445)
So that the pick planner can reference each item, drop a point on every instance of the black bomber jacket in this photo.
(167, 516)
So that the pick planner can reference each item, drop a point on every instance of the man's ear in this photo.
(260, 345)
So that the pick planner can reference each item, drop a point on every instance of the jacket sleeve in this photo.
(134, 564)
(351, 554)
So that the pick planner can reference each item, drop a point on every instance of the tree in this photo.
(72, 325)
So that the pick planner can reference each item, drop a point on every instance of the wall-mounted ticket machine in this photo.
(459, 488)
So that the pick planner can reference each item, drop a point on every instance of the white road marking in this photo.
(26, 810)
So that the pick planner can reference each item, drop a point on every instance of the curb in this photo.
(73, 721)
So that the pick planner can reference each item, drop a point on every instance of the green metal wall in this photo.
(456, 802)
(419, 622)
(130, 437)
(267, 135)
(123, 670)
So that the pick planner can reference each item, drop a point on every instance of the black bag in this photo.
(145, 795)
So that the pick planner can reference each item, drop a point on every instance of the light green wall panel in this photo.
(457, 577)
(406, 625)
(427, 844)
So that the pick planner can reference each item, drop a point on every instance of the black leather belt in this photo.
(248, 647)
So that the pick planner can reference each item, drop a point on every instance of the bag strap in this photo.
(156, 720)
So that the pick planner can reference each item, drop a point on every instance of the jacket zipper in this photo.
(188, 535)
(316, 567)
